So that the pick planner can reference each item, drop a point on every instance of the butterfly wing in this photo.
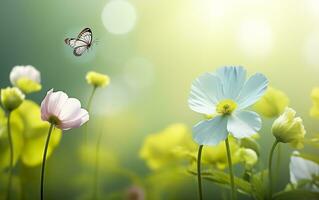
(81, 43)
(86, 36)
(78, 51)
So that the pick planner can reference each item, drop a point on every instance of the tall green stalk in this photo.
(11, 155)
(97, 166)
(44, 159)
(270, 169)
(199, 175)
(231, 173)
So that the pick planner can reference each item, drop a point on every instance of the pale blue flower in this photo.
(225, 95)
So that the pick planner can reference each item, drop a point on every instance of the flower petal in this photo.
(233, 79)
(76, 121)
(56, 102)
(302, 169)
(70, 110)
(254, 88)
(244, 124)
(44, 106)
(205, 93)
(211, 132)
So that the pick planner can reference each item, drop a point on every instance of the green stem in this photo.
(231, 174)
(90, 99)
(44, 159)
(11, 155)
(278, 158)
(88, 107)
(269, 167)
(199, 178)
(97, 165)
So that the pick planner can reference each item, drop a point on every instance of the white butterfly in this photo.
(82, 43)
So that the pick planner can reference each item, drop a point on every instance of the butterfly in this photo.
(82, 43)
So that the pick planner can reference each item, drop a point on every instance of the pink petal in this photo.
(56, 102)
(77, 121)
(70, 109)
(44, 106)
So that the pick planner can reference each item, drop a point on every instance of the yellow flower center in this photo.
(226, 107)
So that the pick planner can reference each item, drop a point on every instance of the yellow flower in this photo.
(11, 98)
(314, 111)
(289, 129)
(97, 79)
(26, 78)
(248, 157)
(167, 147)
(272, 104)
(217, 155)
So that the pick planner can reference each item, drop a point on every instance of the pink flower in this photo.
(64, 112)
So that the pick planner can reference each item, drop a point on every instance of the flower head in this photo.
(168, 146)
(248, 156)
(289, 129)
(304, 170)
(64, 112)
(11, 98)
(26, 78)
(272, 104)
(97, 79)
(225, 95)
(314, 111)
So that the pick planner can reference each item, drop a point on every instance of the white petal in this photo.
(56, 102)
(233, 79)
(44, 106)
(76, 121)
(302, 169)
(211, 132)
(205, 93)
(254, 88)
(70, 110)
(244, 124)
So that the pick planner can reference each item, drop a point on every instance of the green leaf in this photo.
(223, 179)
(260, 184)
(297, 195)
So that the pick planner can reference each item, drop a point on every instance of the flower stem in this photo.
(44, 159)
(199, 178)
(88, 107)
(97, 163)
(11, 155)
(90, 99)
(231, 174)
(269, 168)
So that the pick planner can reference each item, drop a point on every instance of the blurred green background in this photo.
(152, 50)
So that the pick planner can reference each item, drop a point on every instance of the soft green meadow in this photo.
(151, 124)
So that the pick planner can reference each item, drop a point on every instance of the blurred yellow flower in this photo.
(97, 79)
(248, 157)
(11, 98)
(217, 155)
(34, 133)
(272, 104)
(168, 146)
(314, 111)
(26, 78)
(289, 129)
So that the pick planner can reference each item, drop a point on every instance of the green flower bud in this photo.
(289, 129)
(248, 157)
(11, 98)
(97, 79)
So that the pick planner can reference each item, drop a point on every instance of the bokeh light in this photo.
(119, 16)
(255, 37)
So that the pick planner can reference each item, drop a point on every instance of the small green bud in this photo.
(11, 98)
